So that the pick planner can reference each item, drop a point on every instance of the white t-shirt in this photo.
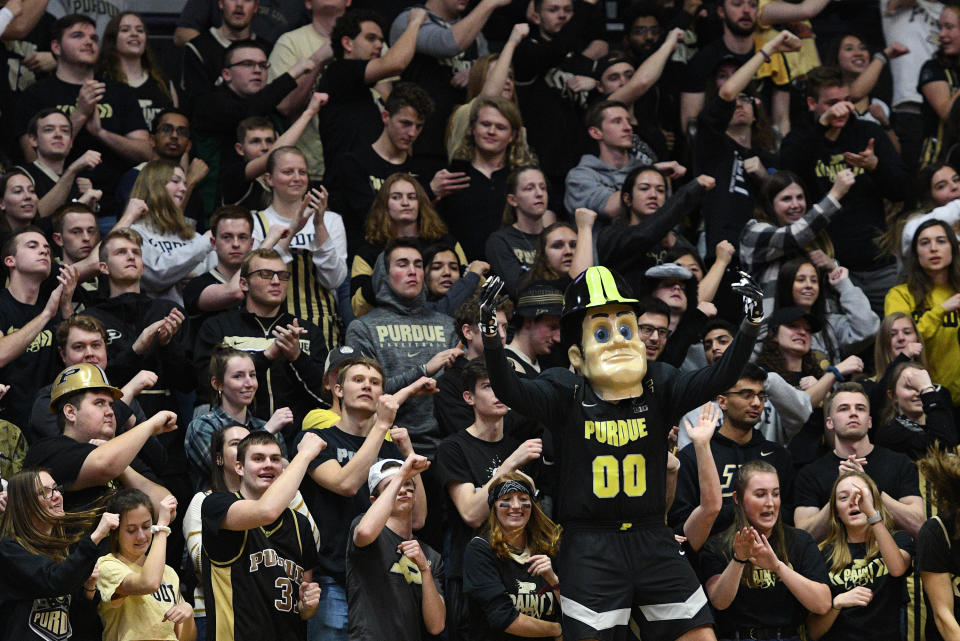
(917, 29)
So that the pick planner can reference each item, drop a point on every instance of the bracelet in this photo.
(766, 56)
(833, 370)
(882, 57)
(932, 388)
(740, 561)
(156, 529)
(833, 607)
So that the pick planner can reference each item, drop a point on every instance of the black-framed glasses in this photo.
(48, 491)
(646, 331)
(166, 129)
(748, 395)
(268, 274)
(263, 65)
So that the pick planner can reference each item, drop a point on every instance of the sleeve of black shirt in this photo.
(449, 408)
(687, 496)
(451, 464)
(484, 587)
(233, 181)
(37, 575)
(933, 548)
(220, 545)
(541, 397)
(806, 558)
(534, 55)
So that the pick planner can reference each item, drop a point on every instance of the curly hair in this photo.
(518, 153)
(377, 227)
(163, 214)
(771, 358)
(108, 63)
(542, 534)
(941, 469)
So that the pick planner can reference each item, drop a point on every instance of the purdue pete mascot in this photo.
(610, 421)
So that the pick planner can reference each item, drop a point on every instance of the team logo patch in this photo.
(50, 618)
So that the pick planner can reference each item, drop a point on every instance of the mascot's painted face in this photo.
(614, 359)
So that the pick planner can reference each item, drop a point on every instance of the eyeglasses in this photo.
(643, 31)
(166, 129)
(268, 274)
(748, 395)
(745, 99)
(646, 331)
(263, 65)
(48, 492)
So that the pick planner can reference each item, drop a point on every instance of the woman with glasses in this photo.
(46, 557)
(316, 241)
(233, 377)
(866, 562)
(763, 576)
(125, 57)
(508, 575)
(172, 250)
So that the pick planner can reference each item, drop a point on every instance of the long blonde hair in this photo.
(836, 539)
(518, 151)
(163, 214)
(777, 538)
(542, 534)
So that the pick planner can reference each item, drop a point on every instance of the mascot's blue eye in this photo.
(601, 335)
(626, 332)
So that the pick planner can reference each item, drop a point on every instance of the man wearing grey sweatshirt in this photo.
(405, 337)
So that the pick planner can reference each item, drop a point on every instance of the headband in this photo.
(507, 487)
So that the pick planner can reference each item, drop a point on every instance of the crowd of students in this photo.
(251, 386)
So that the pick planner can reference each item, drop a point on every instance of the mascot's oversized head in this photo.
(599, 323)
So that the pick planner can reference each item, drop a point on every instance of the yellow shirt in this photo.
(784, 67)
(939, 331)
(135, 618)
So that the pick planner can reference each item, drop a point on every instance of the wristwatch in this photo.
(876, 518)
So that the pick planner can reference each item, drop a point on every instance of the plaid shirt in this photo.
(197, 441)
(763, 247)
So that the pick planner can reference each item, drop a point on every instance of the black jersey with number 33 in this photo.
(612, 455)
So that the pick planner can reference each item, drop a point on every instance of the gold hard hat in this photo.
(82, 376)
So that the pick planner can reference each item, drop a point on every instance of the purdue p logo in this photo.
(50, 618)
(67, 373)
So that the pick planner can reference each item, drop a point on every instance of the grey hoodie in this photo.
(403, 334)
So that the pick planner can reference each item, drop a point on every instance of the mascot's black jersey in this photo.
(612, 456)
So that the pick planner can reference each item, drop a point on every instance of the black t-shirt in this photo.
(464, 458)
(385, 588)
(938, 552)
(727, 208)
(351, 120)
(32, 369)
(64, 457)
(333, 513)
(472, 214)
(770, 604)
(120, 113)
(152, 100)
(893, 473)
(499, 590)
(356, 177)
(701, 67)
(235, 189)
(881, 618)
